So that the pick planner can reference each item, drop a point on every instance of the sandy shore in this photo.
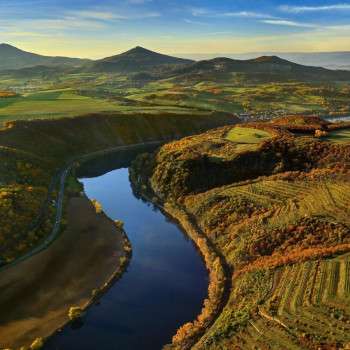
(37, 293)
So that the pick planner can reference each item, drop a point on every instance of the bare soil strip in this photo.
(36, 294)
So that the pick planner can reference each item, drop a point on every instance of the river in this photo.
(337, 119)
(163, 288)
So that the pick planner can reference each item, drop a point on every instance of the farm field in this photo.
(339, 136)
(68, 94)
(51, 104)
(66, 103)
(235, 97)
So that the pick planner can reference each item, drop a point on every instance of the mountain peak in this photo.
(137, 59)
(12, 57)
(270, 59)
(139, 50)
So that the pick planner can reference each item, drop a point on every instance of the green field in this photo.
(248, 135)
(339, 136)
(54, 103)
(68, 103)
(75, 94)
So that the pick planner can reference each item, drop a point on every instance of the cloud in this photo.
(64, 23)
(301, 9)
(26, 34)
(190, 21)
(198, 12)
(202, 12)
(98, 15)
(52, 26)
(220, 33)
(246, 14)
(110, 16)
(282, 22)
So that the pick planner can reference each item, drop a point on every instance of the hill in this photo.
(330, 60)
(19, 63)
(264, 67)
(268, 209)
(136, 60)
(38, 71)
(13, 58)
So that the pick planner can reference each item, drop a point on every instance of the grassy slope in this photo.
(248, 135)
(274, 231)
(75, 94)
(65, 103)
(235, 96)
(339, 136)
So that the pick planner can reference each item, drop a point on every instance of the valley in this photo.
(262, 88)
(179, 204)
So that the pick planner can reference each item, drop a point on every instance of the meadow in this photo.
(236, 97)
(247, 135)
(339, 136)
(53, 104)
(68, 94)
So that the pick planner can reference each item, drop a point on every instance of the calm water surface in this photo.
(164, 287)
(338, 119)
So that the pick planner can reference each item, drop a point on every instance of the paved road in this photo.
(63, 174)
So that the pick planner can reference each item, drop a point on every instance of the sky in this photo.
(99, 28)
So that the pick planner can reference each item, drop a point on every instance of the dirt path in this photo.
(35, 298)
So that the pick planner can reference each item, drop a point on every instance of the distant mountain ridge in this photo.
(13, 58)
(153, 65)
(329, 60)
(136, 60)
(269, 67)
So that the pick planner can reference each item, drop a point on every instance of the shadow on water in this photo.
(111, 161)
(166, 281)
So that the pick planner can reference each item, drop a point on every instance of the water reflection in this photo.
(165, 284)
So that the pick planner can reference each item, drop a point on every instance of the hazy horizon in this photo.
(189, 55)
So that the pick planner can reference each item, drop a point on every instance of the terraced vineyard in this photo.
(284, 235)
(301, 296)
(309, 301)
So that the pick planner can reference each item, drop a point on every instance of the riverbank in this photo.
(165, 284)
(219, 281)
(83, 262)
(219, 271)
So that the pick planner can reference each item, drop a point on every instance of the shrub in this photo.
(75, 313)
(119, 224)
(320, 133)
(38, 343)
(95, 293)
(97, 205)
